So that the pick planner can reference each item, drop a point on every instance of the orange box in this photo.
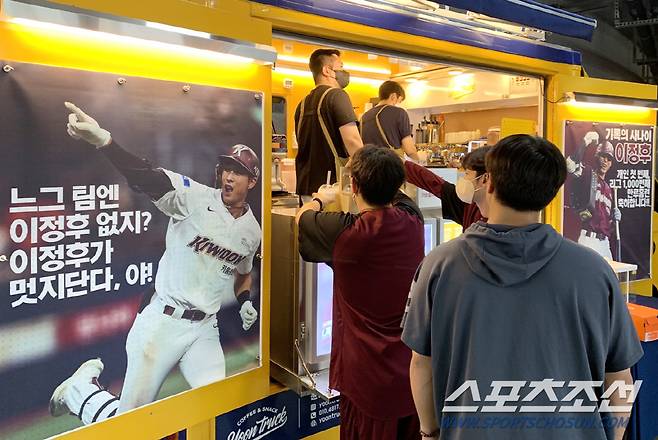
(645, 320)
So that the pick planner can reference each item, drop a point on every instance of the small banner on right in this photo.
(607, 194)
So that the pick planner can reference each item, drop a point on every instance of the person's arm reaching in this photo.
(139, 173)
(351, 138)
(409, 148)
(318, 231)
(451, 206)
(82, 126)
(422, 389)
(320, 199)
(575, 161)
(424, 178)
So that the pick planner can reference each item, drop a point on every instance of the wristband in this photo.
(316, 199)
(243, 297)
(432, 434)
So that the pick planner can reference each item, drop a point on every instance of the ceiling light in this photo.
(586, 99)
(307, 74)
(415, 81)
(89, 24)
(347, 66)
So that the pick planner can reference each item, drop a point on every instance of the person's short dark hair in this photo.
(320, 58)
(379, 174)
(475, 160)
(388, 88)
(526, 171)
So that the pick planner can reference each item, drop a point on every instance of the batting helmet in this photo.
(244, 157)
(606, 148)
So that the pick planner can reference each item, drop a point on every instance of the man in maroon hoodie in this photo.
(374, 255)
(464, 203)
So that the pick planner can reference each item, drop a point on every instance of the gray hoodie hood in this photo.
(505, 256)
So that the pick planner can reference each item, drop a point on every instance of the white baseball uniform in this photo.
(205, 246)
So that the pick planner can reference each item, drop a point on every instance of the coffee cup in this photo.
(331, 190)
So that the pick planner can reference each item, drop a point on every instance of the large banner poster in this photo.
(130, 239)
(607, 203)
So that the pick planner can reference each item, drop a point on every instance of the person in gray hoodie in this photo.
(507, 321)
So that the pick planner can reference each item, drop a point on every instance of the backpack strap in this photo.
(339, 161)
(381, 129)
(301, 117)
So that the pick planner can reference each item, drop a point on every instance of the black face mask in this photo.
(342, 78)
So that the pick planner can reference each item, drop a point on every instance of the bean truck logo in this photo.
(263, 421)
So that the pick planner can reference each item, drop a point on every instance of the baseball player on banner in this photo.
(211, 240)
(591, 195)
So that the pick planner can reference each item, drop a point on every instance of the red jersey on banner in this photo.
(607, 194)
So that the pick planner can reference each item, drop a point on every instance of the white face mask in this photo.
(465, 189)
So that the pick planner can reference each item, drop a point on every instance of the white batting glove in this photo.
(616, 214)
(590, 137)
(82, 126)
(248, 314)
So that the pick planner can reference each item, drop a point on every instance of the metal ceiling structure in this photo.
(531, 13)
(635, 20)
(641, 18)
(625, 40)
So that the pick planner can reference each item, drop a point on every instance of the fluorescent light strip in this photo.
(292, 59)
(294, 72)
(105, 37)
(347, 66)
(307, 74)
(605, 106)
(178, 30)
(367, 69)
(422, 84)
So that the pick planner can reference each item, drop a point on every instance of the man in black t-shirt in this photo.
(332, 130)
(386, 124)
